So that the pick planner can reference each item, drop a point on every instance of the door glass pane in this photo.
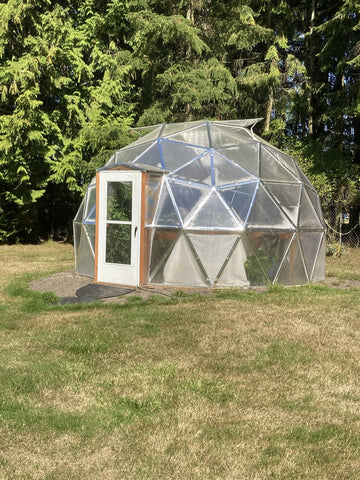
(119, 201)
(118, 243)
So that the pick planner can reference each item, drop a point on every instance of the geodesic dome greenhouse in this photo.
(200, 204)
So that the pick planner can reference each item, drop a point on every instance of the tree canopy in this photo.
(75, 76)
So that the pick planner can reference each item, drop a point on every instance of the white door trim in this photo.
(126, 273)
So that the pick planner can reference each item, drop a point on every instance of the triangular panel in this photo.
(234, 272)
(270, 250)
(239, 198)
(265, 213)
(246, 156)
(196, 136)
(213, 214)
(112, 160)
(287, 161)
(303, 177)
(90, 231)
(172, 128)
(197, 171)
(153, 190)
(310, 242)
(187, 197)
(153, 135)
(129, 154)
(226, 136)
(85, 257)
(80, 213)
(212, 251)
(319, 268)
(287, 196)
(292, 271)
(151, 157)
(308, 218)
(228, 172)
(181, 267)
(315, 201)
(176, 154)
(90, 203)
(163, 241)
(272, 170)
(166, 214)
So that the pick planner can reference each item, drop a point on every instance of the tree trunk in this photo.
(311, 71)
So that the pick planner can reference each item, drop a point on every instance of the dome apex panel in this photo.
(198, 135)
(224, 136)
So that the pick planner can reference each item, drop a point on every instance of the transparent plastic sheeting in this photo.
(229, 210)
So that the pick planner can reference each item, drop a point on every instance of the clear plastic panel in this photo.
(239, 199)
(171, 128)
(246, 156)
(148, 136)
(310, 242)
(225, 136)
(287, 161)
(213, 251)
(319, 269)
(303, 177)
(153, 187)
(163, 241)
(271, 169)
(293, 270)
(166, 214)
(90, 202)
(187, 197)
(197, 171)
(265, 213)
(129, 154)
(181, 267)
(77, 237)
(85, 257)
(315, 201)
(176, 154)
(196, 136)
(80, 213)
(151, 157)
(228, 172)
(288, 196)
(213, 214)
(234, 272)
(308, 218)
(112, 160)
(90, 230)
(270, 249)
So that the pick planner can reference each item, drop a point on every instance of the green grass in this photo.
(237, 385)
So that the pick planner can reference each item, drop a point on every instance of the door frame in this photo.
(139, 244)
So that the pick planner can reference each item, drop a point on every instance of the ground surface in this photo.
(66, 284)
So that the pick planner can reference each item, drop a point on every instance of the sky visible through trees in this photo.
(76, 75)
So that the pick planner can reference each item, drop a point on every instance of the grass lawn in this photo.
(239, 385)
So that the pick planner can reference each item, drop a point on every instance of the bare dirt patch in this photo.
(65, 284)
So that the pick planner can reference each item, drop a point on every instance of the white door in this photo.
(118, 250)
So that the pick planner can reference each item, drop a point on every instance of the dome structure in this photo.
(201, 204)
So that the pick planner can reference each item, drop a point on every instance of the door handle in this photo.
(135, 231)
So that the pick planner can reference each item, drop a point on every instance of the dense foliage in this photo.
(76, 75)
